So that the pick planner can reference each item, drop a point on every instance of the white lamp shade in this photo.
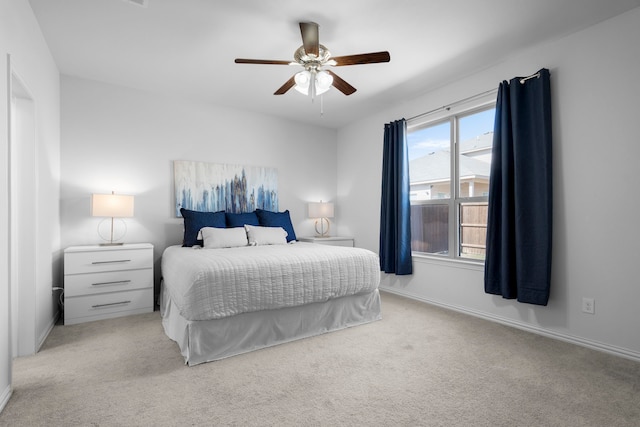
(302, 79)
(321, 79)
(324, 81)
(112, 205)
(321, 210)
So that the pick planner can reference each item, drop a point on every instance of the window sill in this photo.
(456, 263)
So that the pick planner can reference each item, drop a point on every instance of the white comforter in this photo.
(215, 283)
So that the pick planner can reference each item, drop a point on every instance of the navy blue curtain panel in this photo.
(395, 211)
(519, 229)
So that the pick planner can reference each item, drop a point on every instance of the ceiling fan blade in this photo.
(340, 84)
(261, 61)
(363, 58)
(310, 38)
(285, 87)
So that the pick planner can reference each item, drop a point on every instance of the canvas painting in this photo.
(212, 187)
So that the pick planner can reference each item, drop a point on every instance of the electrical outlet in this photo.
(588, 305)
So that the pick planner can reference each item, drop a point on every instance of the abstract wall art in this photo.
(212, 187)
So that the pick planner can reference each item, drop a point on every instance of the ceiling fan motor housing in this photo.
(310, 61)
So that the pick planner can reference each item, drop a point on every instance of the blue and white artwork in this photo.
(212, 187)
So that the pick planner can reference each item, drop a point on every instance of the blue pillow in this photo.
(277, 219)
(195, 220)
(240, 219)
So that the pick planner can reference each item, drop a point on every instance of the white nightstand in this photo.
(332, 240)
(101, 282)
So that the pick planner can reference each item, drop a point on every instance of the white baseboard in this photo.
(5, 396)
(47, 331)
(607, 348)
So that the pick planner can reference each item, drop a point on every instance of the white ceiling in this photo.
(187, 47)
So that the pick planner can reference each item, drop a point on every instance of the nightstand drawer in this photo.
(107, 281)
(102, 306)
(107, 260)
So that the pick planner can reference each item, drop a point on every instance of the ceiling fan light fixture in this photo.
(302, 79)
(322, 81)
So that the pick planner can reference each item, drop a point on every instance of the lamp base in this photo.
(322, 232)
(111, 231)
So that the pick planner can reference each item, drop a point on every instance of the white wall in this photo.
(596, 93)
(21, 38)
(5, 299)
(114, 138)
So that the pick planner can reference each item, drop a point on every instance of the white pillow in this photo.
(266, 235)
(215, 238)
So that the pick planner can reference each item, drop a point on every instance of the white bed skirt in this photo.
(208, 340)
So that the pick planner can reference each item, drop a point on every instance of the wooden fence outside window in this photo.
(430, 229)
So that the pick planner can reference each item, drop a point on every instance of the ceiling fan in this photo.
(315, 79)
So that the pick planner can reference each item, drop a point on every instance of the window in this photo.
(449, 165)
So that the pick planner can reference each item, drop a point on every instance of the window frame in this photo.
(453, 115)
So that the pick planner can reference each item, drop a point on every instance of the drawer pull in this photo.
(111, 262)
(110, 304)
(117, 282)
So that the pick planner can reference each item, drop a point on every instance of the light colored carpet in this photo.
(420, 366)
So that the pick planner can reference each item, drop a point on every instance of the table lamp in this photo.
(322, 211)
(113, 206)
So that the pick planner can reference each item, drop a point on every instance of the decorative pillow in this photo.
(215, 238)
(277, 219)
(195, 220)
(266, 235)
(240, 219)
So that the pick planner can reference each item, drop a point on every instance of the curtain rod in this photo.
(478, 95)
(448, 106)
(532, 76)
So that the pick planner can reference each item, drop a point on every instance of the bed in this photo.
(220, 302)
